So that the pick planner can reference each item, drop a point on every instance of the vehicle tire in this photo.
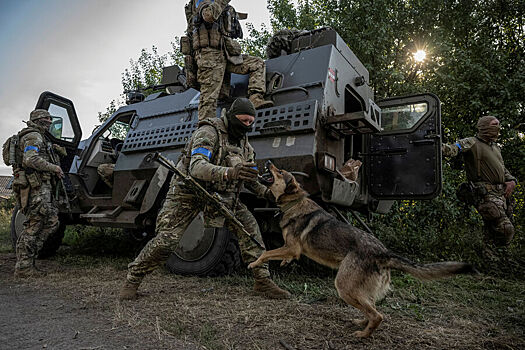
(52, 243)
(216, 255)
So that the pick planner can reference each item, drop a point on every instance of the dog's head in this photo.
(283, 185)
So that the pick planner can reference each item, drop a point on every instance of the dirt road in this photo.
(75, 307)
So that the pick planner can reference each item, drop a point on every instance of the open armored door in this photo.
(65, 129)
(404, 160)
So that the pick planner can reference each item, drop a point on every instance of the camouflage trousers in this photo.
(41, 222)
(178, 211)
(212, 65)
(496, 211)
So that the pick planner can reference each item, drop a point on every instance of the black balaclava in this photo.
(236, 129)
(487, 132)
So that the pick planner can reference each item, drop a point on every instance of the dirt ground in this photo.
(75, 307)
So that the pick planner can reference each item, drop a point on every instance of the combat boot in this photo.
(129, 291)
(266, 287)
(259, 101)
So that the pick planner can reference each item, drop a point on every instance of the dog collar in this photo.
(290, 205)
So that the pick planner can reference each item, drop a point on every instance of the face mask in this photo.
(44, 123)
(486, 131)
(237, 129)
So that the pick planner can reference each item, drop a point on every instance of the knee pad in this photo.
(489, 211)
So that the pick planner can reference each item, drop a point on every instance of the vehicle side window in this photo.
(61, 127)
(119, 129)
(402, 117)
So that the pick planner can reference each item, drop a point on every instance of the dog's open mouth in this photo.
(266, 178)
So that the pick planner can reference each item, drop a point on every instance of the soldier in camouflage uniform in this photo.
(35, 177)
(211, 48)
(492, 182)
(219, 154)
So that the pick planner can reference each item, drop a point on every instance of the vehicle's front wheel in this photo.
(52, 243)
(205, 251)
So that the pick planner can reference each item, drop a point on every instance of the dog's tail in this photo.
(429, 271)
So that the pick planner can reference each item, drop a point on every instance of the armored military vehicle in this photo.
(324, 115)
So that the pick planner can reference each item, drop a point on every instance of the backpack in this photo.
(9, 150)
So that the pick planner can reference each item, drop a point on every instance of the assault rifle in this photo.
(56, 160)
(214, 199)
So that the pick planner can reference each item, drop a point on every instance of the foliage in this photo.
(474, 64)
(6, 210)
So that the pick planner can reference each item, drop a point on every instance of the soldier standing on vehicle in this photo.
(220, 155)
(36, 175)
(491, 182)
(212, 51)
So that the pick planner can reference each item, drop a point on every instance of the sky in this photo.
(79, 49)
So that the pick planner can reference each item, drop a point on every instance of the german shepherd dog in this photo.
(364, 263)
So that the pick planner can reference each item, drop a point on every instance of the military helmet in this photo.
(39, 114)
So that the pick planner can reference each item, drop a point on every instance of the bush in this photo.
(6, 210)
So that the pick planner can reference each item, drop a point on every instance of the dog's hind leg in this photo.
(357, 288)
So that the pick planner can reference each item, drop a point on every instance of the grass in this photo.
(5, 226)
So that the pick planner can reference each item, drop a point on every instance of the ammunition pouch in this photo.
(206, 35)
(20, 179)
(33, 178)
(232, 46)
(185, 45)
(470, 193)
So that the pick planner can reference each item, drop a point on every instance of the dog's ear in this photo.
(291, 184)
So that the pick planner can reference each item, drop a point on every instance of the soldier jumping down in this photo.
(212, 51)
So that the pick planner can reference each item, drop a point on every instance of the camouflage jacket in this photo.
(211, 154)
(35, 149)
(483, 161)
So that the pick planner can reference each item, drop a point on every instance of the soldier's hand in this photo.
(509, 187)
(59, 172)
(244, 172)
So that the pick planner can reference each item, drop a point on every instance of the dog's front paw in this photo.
(253, 264)
(361, 334)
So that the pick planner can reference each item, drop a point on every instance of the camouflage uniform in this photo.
(212, 30)
(281, 42)
(485, 169)
(211, 155)
(34, 195)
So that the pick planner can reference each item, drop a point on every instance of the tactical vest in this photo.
(203, 34)
(224, 154)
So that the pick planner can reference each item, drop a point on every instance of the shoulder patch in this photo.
(203, 151)
(31, 148)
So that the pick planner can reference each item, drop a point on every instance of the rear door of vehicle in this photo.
(404, 159)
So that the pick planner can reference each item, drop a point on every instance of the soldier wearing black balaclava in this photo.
(219, 155)
(492, 182)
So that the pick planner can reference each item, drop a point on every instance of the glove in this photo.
(61, 151)
(243, 172)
